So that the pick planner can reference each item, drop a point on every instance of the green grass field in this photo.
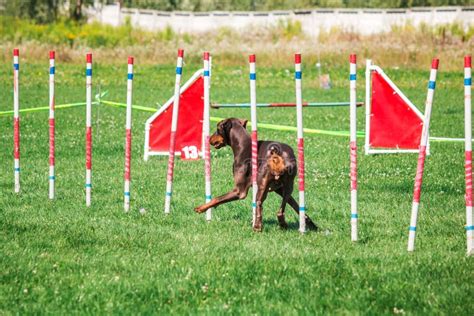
(62, 258)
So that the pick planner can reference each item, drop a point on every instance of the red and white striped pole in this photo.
(128, 137)
(205, 133)
(422, 155)
(353, 144)
(16, 118)
(253, 119)
(468, 150)
(52, 176)
(299, 126)
(88, 128)
(174, 127)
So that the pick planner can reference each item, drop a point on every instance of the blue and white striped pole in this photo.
(299, 125)
(253, 119)
(205, 131)
(353, 145)
(128, 137)
(174, 127)
(88, 128)
(52, 176)
(16, 118)
(468, 153)
(422, 155)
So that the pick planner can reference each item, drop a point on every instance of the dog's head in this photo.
(221, 137)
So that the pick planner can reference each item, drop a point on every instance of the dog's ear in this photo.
(223, 125)
(243, 123)
(226, 124)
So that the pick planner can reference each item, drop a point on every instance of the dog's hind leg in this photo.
(309, 223)
(281, 212)
(261, 196)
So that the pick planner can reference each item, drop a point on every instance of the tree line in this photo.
(46, 11)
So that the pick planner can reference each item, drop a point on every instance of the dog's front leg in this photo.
(233, 195)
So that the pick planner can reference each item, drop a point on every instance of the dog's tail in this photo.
(275, 161)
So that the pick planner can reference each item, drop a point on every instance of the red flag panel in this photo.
(393, 123)
(189, 132)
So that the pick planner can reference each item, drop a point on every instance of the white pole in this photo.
(88, 128)
(52, 177)
(205, 131)
(174, 126)
(299, 125)
(253, 119)
(128, 137)
(210, 71)
(16, 118)
(368, 75)
(422, 155)
(468, 149)
(353, 145)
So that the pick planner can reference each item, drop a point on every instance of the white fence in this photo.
(363, 21)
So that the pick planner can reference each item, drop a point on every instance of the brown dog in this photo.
(276, 170)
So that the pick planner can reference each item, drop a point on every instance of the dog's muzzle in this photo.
(217, 141)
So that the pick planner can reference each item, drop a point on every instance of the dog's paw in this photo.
(199, 209)
(282, 222)
(258, 228)
(310, 225)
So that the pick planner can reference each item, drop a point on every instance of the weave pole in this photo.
(468, 154)
(52, 176)
(422, 155)
(253, 119)
(299, 125)
(128, 137)
(353, 145)
(88, 128)
(16, 118)
(174, 126)
(205, 135)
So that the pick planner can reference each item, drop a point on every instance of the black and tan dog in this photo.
(276, 170)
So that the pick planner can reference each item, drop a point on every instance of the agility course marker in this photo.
(422, 155)
(88, 128)
(468, 154)
(283, 105)
(190, 121)
(46, 108)
(128, 137)
(299, 125)
(353, 144)
(205, 135)
(124, 105)
(174, 125)
(52, 176)
(16, 118)
(253, 119)
(393, 123)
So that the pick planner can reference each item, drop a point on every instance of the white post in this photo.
(128, 137)
(52, 177)
(299, 125)
(253, 119)
(16, 118)
(206, 151)
(368, 90)
(174, 127)
(422, 155)
(88, 128)
(353, 145)
(468, 150)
